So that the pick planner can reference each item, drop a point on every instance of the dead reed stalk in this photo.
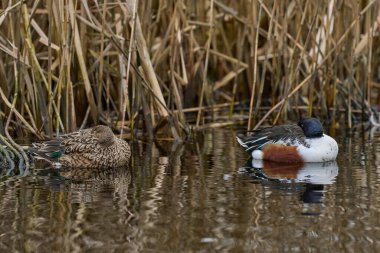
(161, 66)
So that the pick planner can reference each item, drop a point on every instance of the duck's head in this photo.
(311, 127)
(104, 135)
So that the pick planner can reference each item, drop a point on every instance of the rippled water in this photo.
(200, 196)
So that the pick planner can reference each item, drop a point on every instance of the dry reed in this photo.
(163, 66)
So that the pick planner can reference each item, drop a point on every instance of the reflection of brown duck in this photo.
(91, 185)
(94, 174)
(95, 147)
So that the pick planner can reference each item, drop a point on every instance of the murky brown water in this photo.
(200, 196)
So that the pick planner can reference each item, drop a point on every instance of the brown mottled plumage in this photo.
(95, 174)
(95, 147)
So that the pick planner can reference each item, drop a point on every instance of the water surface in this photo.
(200, 196)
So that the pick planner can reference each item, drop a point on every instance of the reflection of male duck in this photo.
(314, 173)
(313, 176)
(313, 193)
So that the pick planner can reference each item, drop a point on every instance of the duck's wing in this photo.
(75, 142)
(286, 134)
(49, 150)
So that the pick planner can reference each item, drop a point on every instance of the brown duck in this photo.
(95, 147)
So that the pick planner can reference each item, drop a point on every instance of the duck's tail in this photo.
(252, 142)
(241, 141)
(45, 151)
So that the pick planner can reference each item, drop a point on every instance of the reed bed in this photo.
(163, 66)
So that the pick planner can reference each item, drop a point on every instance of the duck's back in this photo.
(283, 134)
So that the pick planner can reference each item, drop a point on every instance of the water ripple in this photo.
(191, 197)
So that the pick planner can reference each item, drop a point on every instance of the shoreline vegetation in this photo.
(162, 67)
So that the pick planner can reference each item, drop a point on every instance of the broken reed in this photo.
(145, 64)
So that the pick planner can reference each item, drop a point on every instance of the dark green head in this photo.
(311, 127)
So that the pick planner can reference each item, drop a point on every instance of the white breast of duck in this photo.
(320, 149)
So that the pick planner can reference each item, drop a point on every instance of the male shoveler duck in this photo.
(95, 147)
(304, 142)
